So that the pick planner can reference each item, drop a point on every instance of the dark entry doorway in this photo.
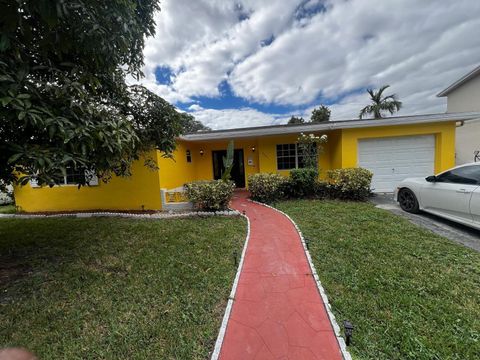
(238, 170)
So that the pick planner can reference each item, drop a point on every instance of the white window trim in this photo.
(296, 156)
(93, 181)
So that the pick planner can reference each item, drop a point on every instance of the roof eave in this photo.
(475, 72)
(328, 126)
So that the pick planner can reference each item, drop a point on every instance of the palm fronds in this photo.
(380, 104)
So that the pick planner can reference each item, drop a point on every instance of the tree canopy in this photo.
(380, 104)
(296, 120)
(191, 125)
(321, 114)
(64, 99)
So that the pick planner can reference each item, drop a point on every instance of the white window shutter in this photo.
(92, 178)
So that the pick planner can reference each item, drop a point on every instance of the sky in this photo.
(257, 62)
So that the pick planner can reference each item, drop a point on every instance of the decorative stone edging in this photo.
(336, 328)
(230, 212)
(228, 309)
(125, 215)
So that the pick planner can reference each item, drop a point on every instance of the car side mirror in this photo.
(431, 178)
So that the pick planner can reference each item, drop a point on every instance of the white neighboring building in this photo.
(464, 96)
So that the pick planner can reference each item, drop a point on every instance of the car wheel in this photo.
(408, 201)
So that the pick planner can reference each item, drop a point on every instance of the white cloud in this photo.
(418, 47)
(195, 107)
(236, 118)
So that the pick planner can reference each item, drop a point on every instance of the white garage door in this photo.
(394, 159)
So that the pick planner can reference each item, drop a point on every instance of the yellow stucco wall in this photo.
(444, 141)
(335, 149)
(176, 171)
(142, 189)
(268, 153)
(120, 193)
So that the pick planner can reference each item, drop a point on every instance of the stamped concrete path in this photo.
(277, 311)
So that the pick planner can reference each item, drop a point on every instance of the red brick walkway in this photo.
(278, 312)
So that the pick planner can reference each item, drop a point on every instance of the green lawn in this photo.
(7, 209)
(116, 288)
(409, 293)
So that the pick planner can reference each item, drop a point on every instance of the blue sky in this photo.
(228, 100)
(257, 62)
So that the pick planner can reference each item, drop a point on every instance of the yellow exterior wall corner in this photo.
(140, 191)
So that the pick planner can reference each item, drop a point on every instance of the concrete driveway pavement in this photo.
(459, 233)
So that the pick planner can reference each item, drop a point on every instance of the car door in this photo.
(475, 206)
(449, 195)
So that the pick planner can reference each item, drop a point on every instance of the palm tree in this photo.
(380, 103)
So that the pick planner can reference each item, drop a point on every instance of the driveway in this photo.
(451, 230)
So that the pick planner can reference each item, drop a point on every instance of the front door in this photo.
(238, 170)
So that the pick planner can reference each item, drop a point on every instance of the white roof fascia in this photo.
(330, 125)
(460, 82)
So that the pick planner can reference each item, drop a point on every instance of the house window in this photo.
(189, 156)
(79, 176)
(289, 157)
(286, 156)
(74, 176)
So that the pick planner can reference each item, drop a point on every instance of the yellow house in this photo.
(393, 149)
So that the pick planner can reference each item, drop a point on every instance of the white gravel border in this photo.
(125, 215)
(228, 309)
(341, 342)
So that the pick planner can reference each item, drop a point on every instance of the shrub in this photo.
(7, 195)
(210, 195)
(301, 183)
(350, 183)
(265, 187)
(321, 189)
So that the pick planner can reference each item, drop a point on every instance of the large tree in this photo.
(191, 125)
(296, 120)
(321, 114)
(380, 104)
(64, 101)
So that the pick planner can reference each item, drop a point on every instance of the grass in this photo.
(116, 288)
(7, 209)
(409, 293)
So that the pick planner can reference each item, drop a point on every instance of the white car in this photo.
(453, 194)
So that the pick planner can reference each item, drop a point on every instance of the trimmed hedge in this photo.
(302, 183)
(350, 183)
(213, 195)
(266, 187)
(345, 184)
